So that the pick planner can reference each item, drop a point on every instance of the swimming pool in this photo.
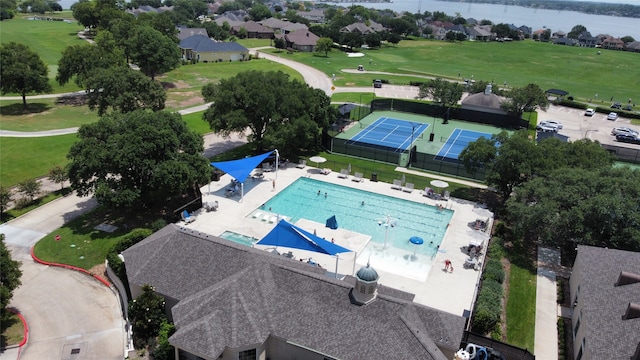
(238, 238)
(364, 212)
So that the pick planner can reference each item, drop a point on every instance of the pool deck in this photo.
(452, 292)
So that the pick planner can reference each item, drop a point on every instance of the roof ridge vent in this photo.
(627, 278)
(633, 311)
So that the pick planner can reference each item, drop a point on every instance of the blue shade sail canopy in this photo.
(416, 240)
(288, 235)
(240, 169)
(332, 223)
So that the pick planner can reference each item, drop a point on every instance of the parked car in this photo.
(377, 83)
(623, 130)
(552, 123)
(627, 138)
(628, 107)
(612, 116)
(616, 106)
(589, 112)
(546, 128)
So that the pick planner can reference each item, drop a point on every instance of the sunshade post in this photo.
(277, 160)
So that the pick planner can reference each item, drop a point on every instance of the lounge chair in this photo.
(302, 164)
(265, 217)
(446, 195)
(325, 171)
(272, 219)
(344, 174)
(186, 217)
(257, 215)
(408, 187)
(266, 167)
(397, 184)
(357, 177)
(428, 192)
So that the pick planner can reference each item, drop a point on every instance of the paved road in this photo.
(64, 309)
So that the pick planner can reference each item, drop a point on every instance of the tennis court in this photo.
(457, 141)
(391, 133)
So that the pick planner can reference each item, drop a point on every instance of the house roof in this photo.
(274, 23)
(302, 37)
(635, 45)
(202, 43)
(492, 101)
(252, 27)
(607, 335)
(186, 32)
(231, 295)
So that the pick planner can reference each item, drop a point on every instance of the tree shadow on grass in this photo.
(72, 100)
(18, 110)
(168, 85)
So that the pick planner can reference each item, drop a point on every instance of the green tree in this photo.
(147, 314)
(323, 45)
(279, 43)
(153, 52)
(208, 92)
(373, 40)
(576, 31)
(137, 158)
(86, 13)
(124, 90)
(83, 61)
(574, 206)
(58, 175)
(525, 99)
(22, 71)
(627, 39)
(259, 12)
(31, 188)
(8, 9)
(164, 350)
(393, 38)
(441, 91)
(9, 278)
(5, 198)
(268, 103)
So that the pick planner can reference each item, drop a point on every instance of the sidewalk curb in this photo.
(70, 267)
(25, 334)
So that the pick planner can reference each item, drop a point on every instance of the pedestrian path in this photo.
(546, 331)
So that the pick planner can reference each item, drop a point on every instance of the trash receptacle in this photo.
(374, 177)
(431, 136)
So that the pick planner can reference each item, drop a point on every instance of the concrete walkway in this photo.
(546, 337)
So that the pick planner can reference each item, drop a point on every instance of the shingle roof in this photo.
(202, 43)
(186, 32)
(485, 100)
(604, 304)
(302, 37)
(232, 294)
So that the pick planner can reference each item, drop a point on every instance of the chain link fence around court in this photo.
(623, 153)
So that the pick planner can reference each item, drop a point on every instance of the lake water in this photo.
(517, 15)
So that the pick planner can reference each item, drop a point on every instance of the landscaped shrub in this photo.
(494, 271)
(164, 350)
(158, 224)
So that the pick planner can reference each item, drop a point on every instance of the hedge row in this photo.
(599, 109)
(134, 237)
(489, 303)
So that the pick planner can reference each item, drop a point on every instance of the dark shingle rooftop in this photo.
(231, 294)
(202, 43)
(608, 335)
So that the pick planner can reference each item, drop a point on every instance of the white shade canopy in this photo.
(439, 183)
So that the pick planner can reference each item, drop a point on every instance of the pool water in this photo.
(364, 212)
(238, 238)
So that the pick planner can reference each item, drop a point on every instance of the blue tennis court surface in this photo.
(457, 141)
(390, 133)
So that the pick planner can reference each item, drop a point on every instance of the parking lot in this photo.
(578, 126)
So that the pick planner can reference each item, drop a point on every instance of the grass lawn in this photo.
(28, 158)
(80, 244)
(44, 114)
(12, 331)
(48, 39)
(196, 123)
(14, 213)
(518, 63)
(521, 307)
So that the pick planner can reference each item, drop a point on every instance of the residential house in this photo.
(275, 24)
(212, 8)
(612, 44)
(437, 32)
(481, 33)
(633, 46)
(558, 34)
(254, 30)
(229, 301)
(202, 48)
(586, 40)
(231, 20)
(605, 296)
(301, 40)
(565, 41)
(358, 27)
(315, 16)
(485, 101)
(525, 31)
